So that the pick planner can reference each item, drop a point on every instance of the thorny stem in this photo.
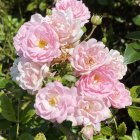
(114, 119)
(17, 132)
(93, 28)
(134, 107)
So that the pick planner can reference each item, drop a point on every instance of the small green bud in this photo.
(84, 29)
(96, 20)
(40, 136)
(104, 39)
(48, 11)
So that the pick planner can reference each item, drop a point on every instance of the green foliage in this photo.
(134, 35)
(136, 20)
(6, 108)
(106, 131)
(3, 82)
(26, 136)
(134, 114)
(37, 4)
(27, 115)
(121, 130)
(120, 26)
(136, 134)
(99, 138)
(135, 91)
(4, 124)
(132, 53)
(42, 6)
(31, 6)
(125, 138)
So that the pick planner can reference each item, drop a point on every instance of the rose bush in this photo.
(65, 80)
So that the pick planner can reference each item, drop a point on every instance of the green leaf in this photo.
(134, 35)
(69, 78)
(3, 82)
(26, 136)
(42, 6)
(99, 138)
(27, 113)
(40, 136)
(136, 20)
(28, 116)
(4, 124)
(125, 138)
(136, 134)
(135, 91)
(65, 138)
(6, 108)
(122, 129)
(31, 6)
(1, 74)
(131, 55)
(134, 114)
(106, 131)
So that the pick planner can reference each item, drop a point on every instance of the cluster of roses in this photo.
(44, 41)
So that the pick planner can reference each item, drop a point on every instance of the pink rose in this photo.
(68, 29)
(29, 75)
(90, 110)
(88, 56)
(37, 41)
(120, 97)
(116, 67)
(97, 83)
(88, 132)
(79, 9)
(55, 102)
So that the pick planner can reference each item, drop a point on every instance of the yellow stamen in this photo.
(97, 77)
(52, 101)
(89, 61)
(42, 44)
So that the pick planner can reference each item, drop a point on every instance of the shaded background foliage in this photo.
(119, 20)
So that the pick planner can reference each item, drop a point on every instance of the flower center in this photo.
(53, 101)
(97, 78)
(42, 43)
(87, 108)
(89, 61)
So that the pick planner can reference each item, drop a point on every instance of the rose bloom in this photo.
(68, 29)
(37, 41)
(97, 83)
(55, 102)
(88, 131)
(79, 9)
(89, 110)
(120, 97)
(29, 75)
(88, 56)
(116, 67)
